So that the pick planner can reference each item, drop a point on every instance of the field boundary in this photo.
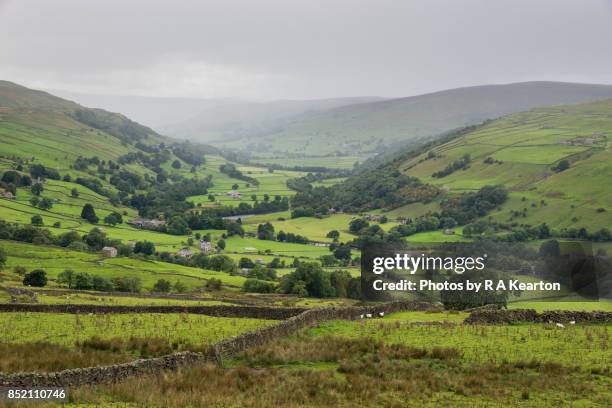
(215, 354)
(531, 316)
(255, 312)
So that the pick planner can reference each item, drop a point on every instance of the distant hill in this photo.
(366, 127)
(52, 131)
(556, 163)
(207, 119)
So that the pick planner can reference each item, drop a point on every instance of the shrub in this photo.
(36, 278)
(258, 286)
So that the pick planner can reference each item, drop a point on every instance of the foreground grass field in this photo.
(67, 329)
(404, 360)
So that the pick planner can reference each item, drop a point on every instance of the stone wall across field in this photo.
(529, 315)
(256, 312)
(224, 348)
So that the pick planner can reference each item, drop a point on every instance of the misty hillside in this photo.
(207, 119)
(367, 127)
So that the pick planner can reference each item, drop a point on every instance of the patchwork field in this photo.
(520, 151)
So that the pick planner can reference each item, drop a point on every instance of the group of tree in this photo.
(384, 187)
(310, 279)
(231, 170)
(462, 164)
(86, 281)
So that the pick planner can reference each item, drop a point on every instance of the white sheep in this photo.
(573, 322)
(560, 325)
(381, 314)
(369, 315)
(361, 316)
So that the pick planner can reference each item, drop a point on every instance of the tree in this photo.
(211, 198)
(235, 186)
(34, 201)
(74, 192)
(343, 252)
(162, 286)
(88, 213)
(45, 204)
(95, 239)
(258, 286)
(144, 247)
(310, 279)
(357, 225)
(36, 278)
(36, 220)
(265, 231)
(177, 226)
(221, 244)
(102, 284)
(37, 189)
(2, 258)
(233, 228)
(113, 218)
(334, 235)
(83, 280)
(68, 238)
(67, 278)
(246, 263)
(180, 287)
(176, 164)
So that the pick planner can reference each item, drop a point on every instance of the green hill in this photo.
(521, 151)
(367, 127)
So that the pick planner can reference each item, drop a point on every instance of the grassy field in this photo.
(67, 329)
(410, 359)
(54, 260)
(330, 162)
(524, 147)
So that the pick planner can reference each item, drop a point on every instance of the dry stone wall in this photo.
(225, 348)
(529, 315)
(256, 312)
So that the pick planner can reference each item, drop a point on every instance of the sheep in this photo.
(561, 326)
(381, 314)
(573, 322)
(369, 315)
(361, 316)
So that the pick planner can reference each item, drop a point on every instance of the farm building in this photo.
(449, 232)
(8, 195)
(233, 194)
(185, 253)
(206, 247)
(146, 223)
(109, 252)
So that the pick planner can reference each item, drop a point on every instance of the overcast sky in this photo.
(268, 49)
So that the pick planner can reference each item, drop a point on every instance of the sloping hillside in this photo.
(365, 127)
(524, 152)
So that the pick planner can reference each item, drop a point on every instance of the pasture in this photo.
(67, 329)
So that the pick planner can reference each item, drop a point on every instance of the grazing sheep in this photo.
(369, 315)
(381, 314)
(573, 322)
(561, 326)
(361, 316)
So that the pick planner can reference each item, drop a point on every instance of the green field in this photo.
(408, 359)
(54, 260)
(66, 329)
(525, 147)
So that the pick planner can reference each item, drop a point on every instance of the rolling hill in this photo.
(523, 151)
(366, 127)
